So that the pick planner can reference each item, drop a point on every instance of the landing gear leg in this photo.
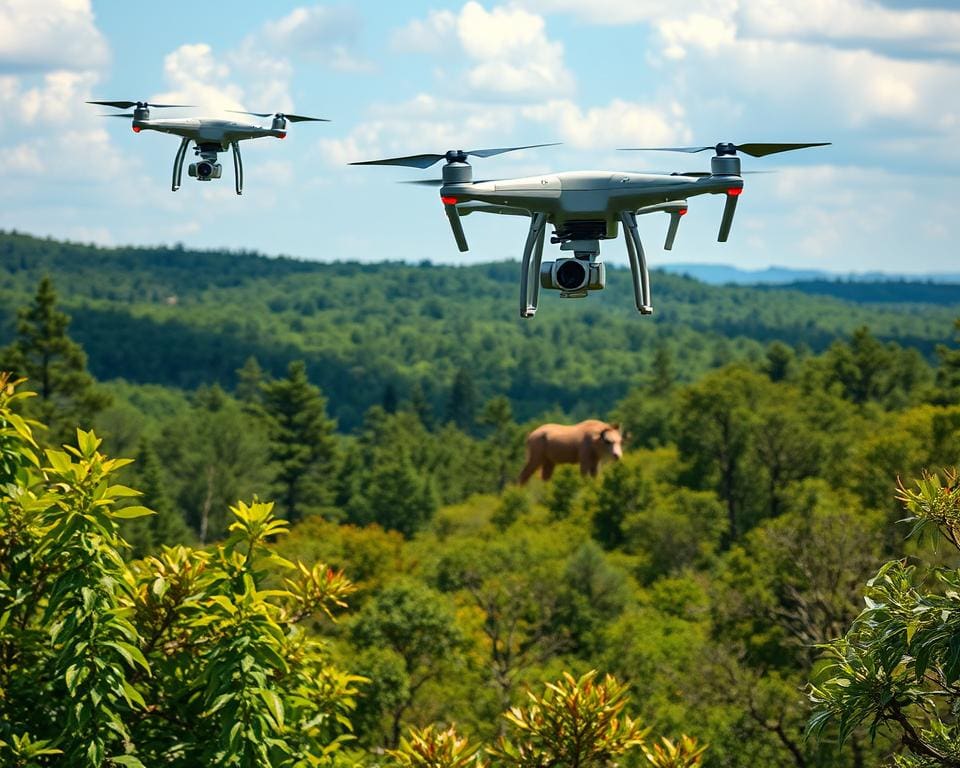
(530, 266)
(638, 263)
(237, 167)
(178, 164)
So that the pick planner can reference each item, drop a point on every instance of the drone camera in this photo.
(573, 276)
(205, 170)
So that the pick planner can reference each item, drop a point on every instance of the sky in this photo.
(878, 79)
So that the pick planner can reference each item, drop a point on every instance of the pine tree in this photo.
(167, 526)
(420, 405)
(250, 380)
(54, 365)
(462, 405)
(301, 442)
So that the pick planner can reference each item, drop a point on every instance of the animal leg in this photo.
(527, 472)
(547, 471)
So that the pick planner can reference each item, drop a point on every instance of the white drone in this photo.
(211, 136)
(584, 208)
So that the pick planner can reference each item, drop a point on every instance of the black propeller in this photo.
(140, 104)
(451, 156)
(754, 149)
(282, 115)
(439, 182)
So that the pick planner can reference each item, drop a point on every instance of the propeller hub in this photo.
(456, 156)
(726, 148)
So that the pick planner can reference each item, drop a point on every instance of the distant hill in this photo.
(724, 274)
(183, 318)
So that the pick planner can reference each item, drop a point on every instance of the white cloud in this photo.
(853, 20)
(196, 77)
(431, 35)
(46, 35)
(507, 48)
(620, 122)
(319, 33)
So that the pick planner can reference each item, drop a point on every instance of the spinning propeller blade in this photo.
(285, 116)
(441, 182)
(119, 114)
(453, 155)
(754, 149)
(130, 104)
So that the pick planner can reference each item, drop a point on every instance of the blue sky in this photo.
(880, 80)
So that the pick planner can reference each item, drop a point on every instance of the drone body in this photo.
(209, 135)
(584, 207)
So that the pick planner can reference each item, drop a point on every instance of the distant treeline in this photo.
(374, 331)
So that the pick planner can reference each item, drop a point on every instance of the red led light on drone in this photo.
(682, 212)
(281, 135)
(734, 191)
(448, 200)
(136, 129)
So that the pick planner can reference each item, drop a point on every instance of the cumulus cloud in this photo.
(48, 35)
(434, 34)
(324, 34)
(619, 122)
(507, 49)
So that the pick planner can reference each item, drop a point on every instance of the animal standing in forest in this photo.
(586, 443)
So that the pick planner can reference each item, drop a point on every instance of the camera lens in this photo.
(571, 275)
(204, 169)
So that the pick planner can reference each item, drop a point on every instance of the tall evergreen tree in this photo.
(167, 526)
(462, 405)
(301, 442)
(250, 380)
(55, 367)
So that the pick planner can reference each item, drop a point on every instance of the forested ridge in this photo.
(183, 318)
(401, 595)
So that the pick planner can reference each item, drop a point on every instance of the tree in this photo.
(167, 526)
(462, 404)
(948, 374)
(182, 659)
(504, 445)
(54, 365)
(414, 623)
(898, 667)
(301, 442)
(214, 455)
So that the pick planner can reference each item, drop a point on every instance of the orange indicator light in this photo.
(448, 200)
(734, 191)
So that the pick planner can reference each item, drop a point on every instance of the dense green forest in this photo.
(718, 570)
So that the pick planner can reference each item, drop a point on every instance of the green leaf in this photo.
(128, 760)
(273, 704)
(128, 513)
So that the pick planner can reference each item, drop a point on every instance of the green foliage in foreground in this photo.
(182, 659)
(898, 667)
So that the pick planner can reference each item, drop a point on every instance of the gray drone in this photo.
(584, 208)
(211, 136)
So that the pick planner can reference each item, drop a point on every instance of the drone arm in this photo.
(729, 208)
(456, 225)
(638, 263)
(178, 164)
(530, 264)
(237, 167)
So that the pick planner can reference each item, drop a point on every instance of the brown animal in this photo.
(585, 443)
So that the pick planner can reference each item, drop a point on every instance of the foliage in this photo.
(181, 659)
(685, 753)
(898, 666)
(576, 722)
(54, 364)
(301, 442)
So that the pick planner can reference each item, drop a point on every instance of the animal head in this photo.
(612, 441)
